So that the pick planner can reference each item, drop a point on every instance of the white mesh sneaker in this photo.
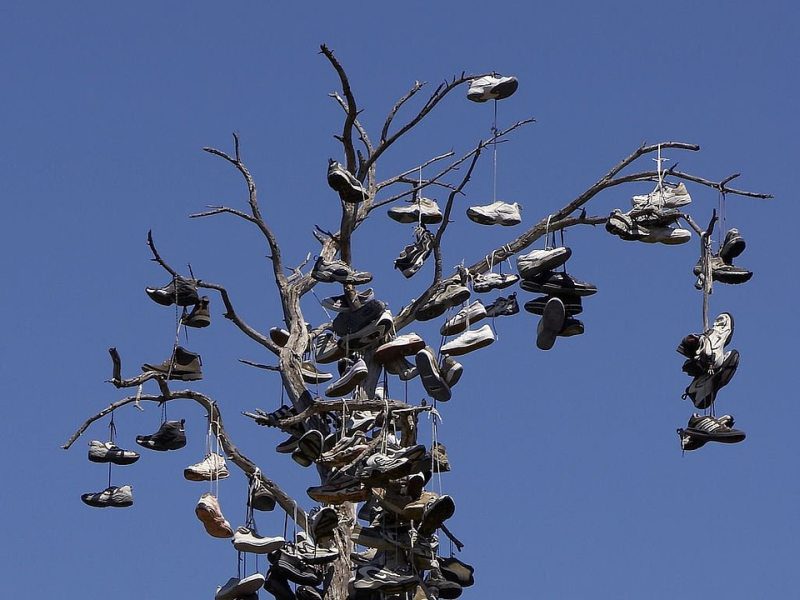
(211, 467)
(491, 87)
(496, 213)
(664, 197)
(423, 209)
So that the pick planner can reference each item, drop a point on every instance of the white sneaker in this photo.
(352, 377)
(486, 282)
(491, 88)
(538, 261)
(239, 588)
(667, 235)
(247, 540)
(211, 467)
(665, 197)
(496, 213)
(469, 341)
(411, 213)
(463, 318)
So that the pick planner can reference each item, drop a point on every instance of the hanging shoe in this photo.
(185, 367)
(114, 497)
(236, 588)
(108, 452)
(439, 458)
(571, 327)
(402, 345)
(327, 349)
(449, 294)
(212, 467)
(290, 565)
(451, 370)
(312, 375)
(323, 523)
(491, 87)
(170, 436)
(309, 448)
(342, 181)
(383, 579)
(277, 585)
(732, 246)
(572, 304)
(210, 514)
(702, 429)
(665, 197)
(625, 227)
(669, 236)
(463, 318)
(345, 450)
(247, 540)
(432, 379)
(723, 272)
(705, 386)
(496, 213)
(338, 271)
(427, 208)
(558, 284)
(550, 324)
(456, 570)
(339, 303)
(313, 554)
(180, 291)
(402, 368)
(536, 262)
(355, 374)
(503, 306)
(200, 315)
(711, 348)
(468, 341)
(338, 489)
(486, 282)
(435, 514)
(306, 592)
(413, 256)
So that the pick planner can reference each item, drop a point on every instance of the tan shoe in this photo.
(209, 512)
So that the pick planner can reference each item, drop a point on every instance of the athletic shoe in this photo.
(338, 271)
(279, 336)
(180, 291)
(108, 452)
(338, 489)
(323, 523)
(381, 467)
(384, 579)
(309, 448)
(247, 540)
(652, 216)
(312, 554)
(491, 87)
(436, 513)
(689, 345)
(496, 213)
(432, 379)
(572, 304)
(550, 324)
(290, 565)
(402, 368)
(212, 467)
(200, 316)
(345, 450)
(114, 497)
(360, 322)
(210, 514)
(237, 588)
(339, 303)
(732, 246)
(451, 370)
(558, 284)
(503, 306)
(666, 235)
(571, 327)
(664, 197)
(413, 256)
(440, 587)
(711, 349)
(312, 375)
(411, 212)
(260, 498)
(702, 429)
(360, 420)
(471, 313)
(723, 272)
(704, 387)
(326, 348)
(625, 227)
(402, 345)
(486, 282)
(353, 377)
(342, 181)
(439, 458)
(537, 262)
(451, 293)
(470, 340)
(186, 366)
(456, 570)
(277, 585)
(306, 592)
(170, 436)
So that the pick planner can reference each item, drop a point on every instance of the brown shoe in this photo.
(209, 512)
(185, 367)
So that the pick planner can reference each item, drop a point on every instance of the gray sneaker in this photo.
(247, 540)
(338, 271)
(115, 497)
(451, 370)
(665, 196)
(463, 318)
(355, 374)
(342, 181)
(432, 379)
(536, 262)
(422, 210)
(108, 452)
(496, 213)
(503, 306)
(486, 282)
(452, 293)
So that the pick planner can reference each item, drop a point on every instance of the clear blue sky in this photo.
(568, 477)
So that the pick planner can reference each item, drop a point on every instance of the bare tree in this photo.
(361, 154)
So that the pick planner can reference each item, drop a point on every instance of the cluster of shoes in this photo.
(711, 368)
(653, 218)
(183, 365)
(562, 294)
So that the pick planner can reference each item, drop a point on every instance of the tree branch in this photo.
(397, 105)
(352, 110)
(157, 257)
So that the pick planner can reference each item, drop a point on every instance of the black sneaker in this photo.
(558, 284)
(343, 182)
(339, 303)
(277, 585)
(200, 315)
(338, 271)
(413, 256)
(436, 513)
(723, 272)
(180, 291)
(441, 587)
(571, 327)
(703, 389)
(306, 592)
(572, 305)
(503, 306)
(170, 436)
(732, 247)
(355, 323)
(309, 446)
(185, 367)
(384, 579)
(550, 324)
(286, 562)
(702, 429)
(452, 293)
(456, 570)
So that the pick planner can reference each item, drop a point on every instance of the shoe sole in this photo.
(550, 324)
(443, 508)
